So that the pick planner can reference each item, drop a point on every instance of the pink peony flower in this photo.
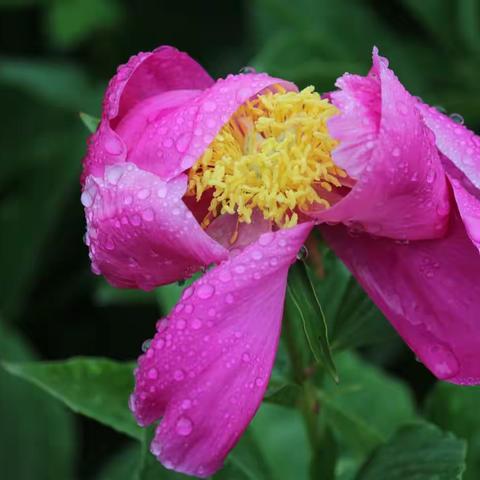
(184, 172)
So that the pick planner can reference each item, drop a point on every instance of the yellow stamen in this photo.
(273, 155)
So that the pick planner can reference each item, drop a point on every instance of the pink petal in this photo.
(429, 290)
(223, 228)
(459, 144)
(401, 190)
(144, 75)
(172, 144)
(140, 232)
(208, 366)
(469, 206)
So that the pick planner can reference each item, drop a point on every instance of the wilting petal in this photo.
(428, 289)
(140, 232)
(144, 75)
(174, 142)
(401, 190)
(208, 366)
(459, 144)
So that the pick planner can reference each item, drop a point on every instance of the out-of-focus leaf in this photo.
(90, 122)
(105, 294)
(455, 408)
(283, 394)
(63, 85)
(324, 457)
(352, 318)
(72, 21)
(37, 434)
(282, 441)
(420, 452)
(96, 387)
(367, 406)
(122, 465)
(302, 292)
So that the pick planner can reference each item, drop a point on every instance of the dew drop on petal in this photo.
(205, 291)
(196, 323)
(302, 253)
(184, 426)
(441, 360)
(162, 190)
(457, 118)
(178, 375)
(146, 344)
(152, 373)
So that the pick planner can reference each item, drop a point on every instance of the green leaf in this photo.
(302, 293)
(455, 408)
(37, 433)
(96, 387)
(367, 406)
(283, 394)
(282, 441)
(324, 457)
(352, 318)
(122, 465)
(417, 452)
(72, 21)
(90, 122)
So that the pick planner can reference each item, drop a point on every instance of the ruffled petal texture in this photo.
(401, 190)
(208, 366)
(172, 143)
(144, 75)
(140, 232)
(429, 290)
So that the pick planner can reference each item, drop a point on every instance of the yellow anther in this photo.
(274, 154)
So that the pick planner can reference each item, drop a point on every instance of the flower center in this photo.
(274, 155)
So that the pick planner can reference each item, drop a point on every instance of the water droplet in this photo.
(205, 291)
(257, 255)
(225, 276)
(181, 324)
(146, 344)
(440, 109)
(162, 190)
(265, 239)
(209, 106)
(396, 152)
(441, 360)
(229, 298)
(143, 194)
(457, 118)
(246, 357)
(148, 215)
(239, 269)
(179, 375)
(196, 323)
(186, 404)
(114, 173)
(181, 283)
(184, 426)
(113, 145)
(86, 198)
(402, 108)
(302, 253)
(247, 69)
(258, 382)
(152, 373)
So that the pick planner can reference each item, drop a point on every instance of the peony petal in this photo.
(208, 366)
(173, 144)
(468, 203)
(429, 290)
(144, 75)
(459, 144)
(401, 191)
(140, 232)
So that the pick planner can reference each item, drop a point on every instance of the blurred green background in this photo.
(56, 57)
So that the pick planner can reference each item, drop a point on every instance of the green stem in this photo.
(308, 403)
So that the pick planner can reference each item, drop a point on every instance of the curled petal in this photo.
(173, 143)
(208, 366)
(428, 290)
(459, 144)
(144, 75)
(468, 203)
(401, 190)
(140, 232)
